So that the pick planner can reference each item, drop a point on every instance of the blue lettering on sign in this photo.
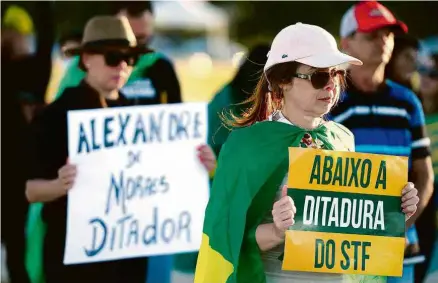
(126, 232)
(124, 188)
(127, 129)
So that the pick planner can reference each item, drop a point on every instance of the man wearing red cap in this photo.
(385, 117)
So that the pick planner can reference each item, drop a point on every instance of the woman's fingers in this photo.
(410, 194)
(412, 201)
(284, 203)
(409, 210)
(287, 223)
(409, 186)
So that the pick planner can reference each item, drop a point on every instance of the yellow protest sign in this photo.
(348, 218)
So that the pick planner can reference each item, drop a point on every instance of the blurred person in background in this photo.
(153, 80)
(385, 117)
(26, 53)
(429, 97)
(24, 77)
(232, 97)
(107, 55)
(429, 85)
(402, 67)
(69, 41)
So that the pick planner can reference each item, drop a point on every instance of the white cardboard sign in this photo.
(141, 189)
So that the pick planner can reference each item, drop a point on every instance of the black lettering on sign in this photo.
(344, 172)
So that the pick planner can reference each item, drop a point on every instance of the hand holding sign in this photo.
(409, 200)
(283, 212)
(66, 176)
(207, 157)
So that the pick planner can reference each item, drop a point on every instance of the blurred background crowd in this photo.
(209, 51)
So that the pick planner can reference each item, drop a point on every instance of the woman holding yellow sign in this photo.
(249, 210)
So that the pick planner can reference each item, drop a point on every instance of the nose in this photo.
(122, 65)
(330, 85)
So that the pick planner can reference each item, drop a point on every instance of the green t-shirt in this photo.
(227, 101)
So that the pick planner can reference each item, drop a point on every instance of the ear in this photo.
(85, 59)
(282, 88)
(345, 44)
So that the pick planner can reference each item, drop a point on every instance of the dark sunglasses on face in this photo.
(320, 79)
(114, 58)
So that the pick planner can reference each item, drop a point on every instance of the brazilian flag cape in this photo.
(251, 167)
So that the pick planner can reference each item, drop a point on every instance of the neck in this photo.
(368, 78)
(301, 120)
(105, 94)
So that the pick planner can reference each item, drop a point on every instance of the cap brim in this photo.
(327, 60)
(399, 25)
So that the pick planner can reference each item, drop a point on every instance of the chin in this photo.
(121, 84)
(322, 112)
(112, 86)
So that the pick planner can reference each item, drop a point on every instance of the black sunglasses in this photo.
(114, 58)
(320, 79)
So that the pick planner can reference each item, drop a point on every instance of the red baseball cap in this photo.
(368, 16)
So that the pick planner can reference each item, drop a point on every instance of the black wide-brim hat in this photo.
(108, 32)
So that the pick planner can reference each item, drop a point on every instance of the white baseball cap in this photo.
(307, 44)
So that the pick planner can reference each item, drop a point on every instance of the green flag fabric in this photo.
(217, 132)
(35, 232)
(228, 100)
(251, 167)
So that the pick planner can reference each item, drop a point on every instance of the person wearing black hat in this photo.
(154, 79)
(107, 54)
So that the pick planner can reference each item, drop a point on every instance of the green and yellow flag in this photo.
(251, 167)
